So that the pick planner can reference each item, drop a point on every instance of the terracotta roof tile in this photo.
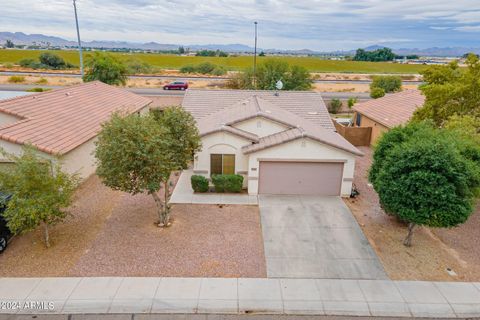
(306, 104)
(58, 121)
(393, 109)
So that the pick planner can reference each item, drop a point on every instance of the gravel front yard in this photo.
(113, 234)
(433, 250)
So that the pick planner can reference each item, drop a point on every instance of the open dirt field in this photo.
(432, 251)
(111, 233)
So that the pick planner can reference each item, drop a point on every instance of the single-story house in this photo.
(64, 123)
(387, 112)
(282, 143)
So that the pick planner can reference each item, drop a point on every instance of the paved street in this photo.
(315, 237)
(239, 296)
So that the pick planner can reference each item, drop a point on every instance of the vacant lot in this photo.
(113, 234)
(433, 251)
(165, 61)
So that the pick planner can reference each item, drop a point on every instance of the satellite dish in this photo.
(279, 85)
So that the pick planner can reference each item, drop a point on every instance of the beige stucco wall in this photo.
(221, 143)
(7, 119)
(302, 149)
(377, 128)
(80, 160)
(260, 126)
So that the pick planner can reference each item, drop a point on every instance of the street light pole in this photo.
(78, 37)
(255, 59)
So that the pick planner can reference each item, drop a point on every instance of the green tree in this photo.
(450, 91)
(9, 44)
(267, 75)
(376, 93)
(387, 83)
(351, 102)
(106, 68)
(51, 60)
(426, 176)
(335, 105)
(181, 50)
(138, 154)
(40, 192)
(383, 54)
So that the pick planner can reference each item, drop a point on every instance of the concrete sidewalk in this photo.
(183, 194)
(239, 296)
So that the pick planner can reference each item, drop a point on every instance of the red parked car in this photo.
(176, 85)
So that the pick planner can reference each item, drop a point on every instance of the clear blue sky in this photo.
(295, 24)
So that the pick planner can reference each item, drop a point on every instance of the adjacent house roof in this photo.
(393, 109)
(315, 125)
(58, 121)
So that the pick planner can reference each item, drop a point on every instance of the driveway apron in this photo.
(315, 237)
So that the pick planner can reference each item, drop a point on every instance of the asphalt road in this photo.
(184, 78)
(161, 92)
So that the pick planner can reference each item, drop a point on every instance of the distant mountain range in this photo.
(20, 38)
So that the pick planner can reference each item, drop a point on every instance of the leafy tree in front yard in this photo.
(107, 68)
(40, 192)
(426, 176)
(451, 90)
(138, 154)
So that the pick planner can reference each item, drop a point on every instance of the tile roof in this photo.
(393, 109)
(58, 121)
(306, 104)
(258, 106)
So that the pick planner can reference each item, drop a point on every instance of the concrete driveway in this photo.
(315, 237)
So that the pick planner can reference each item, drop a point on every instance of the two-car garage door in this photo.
(307, 178)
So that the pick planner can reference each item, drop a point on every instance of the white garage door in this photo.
(307, 178)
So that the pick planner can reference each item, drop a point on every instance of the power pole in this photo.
(255, 59)
(78, 37)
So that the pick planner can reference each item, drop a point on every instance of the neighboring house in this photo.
(64, 122)
(387, 112)
(281, 143)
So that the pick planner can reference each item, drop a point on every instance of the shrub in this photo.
(387, 83)
(37, 89)
(219, 71)
(205, 67)
(351, 102)
(335, 105)
(41, 81)
(136, 66)
(8, 65)
(16, 79)
(199, 183)
(376, 93)
(188, 69)
(53, 61)
(30, 63)
(227, 182)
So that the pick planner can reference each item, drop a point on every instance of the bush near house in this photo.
(388, 83)
(16, 79)
(426, 176)
(227, 182)
(199, 183)
(335, 106)
(376, 93)
(40, 192)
